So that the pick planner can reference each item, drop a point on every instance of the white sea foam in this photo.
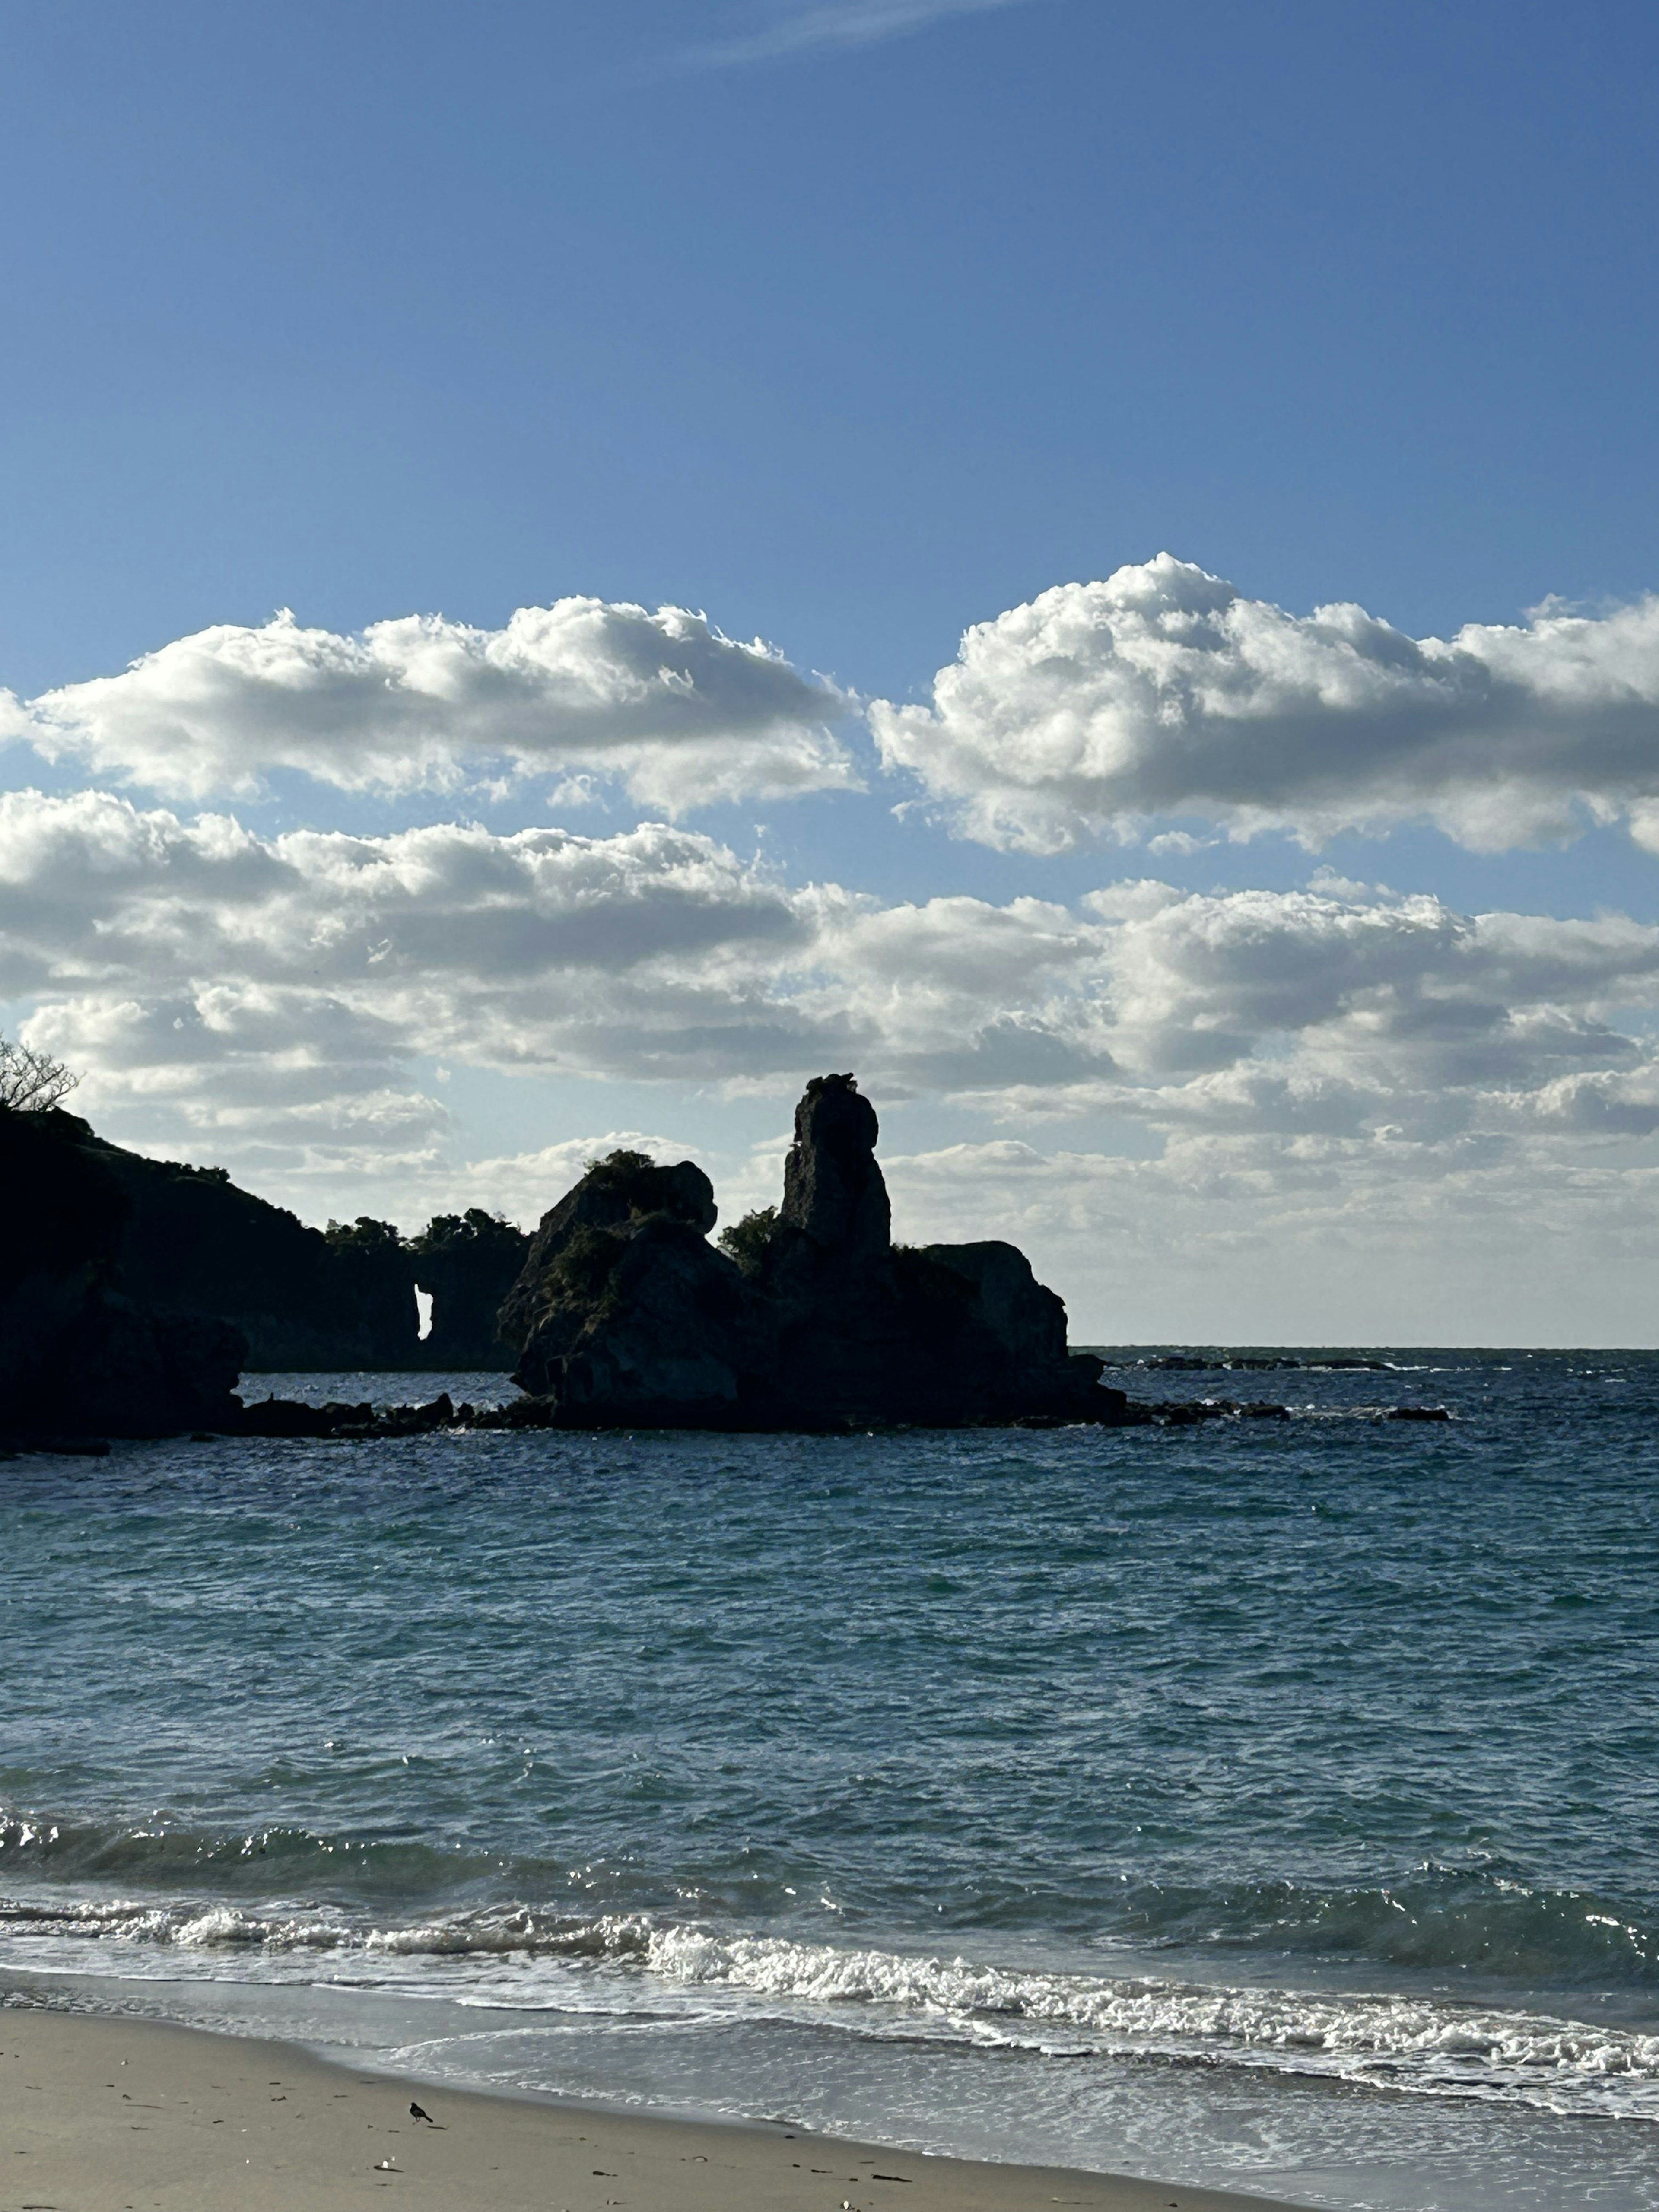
(1403, 2042)
(1397, 2042)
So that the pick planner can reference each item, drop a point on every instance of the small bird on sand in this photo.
(415, 2113)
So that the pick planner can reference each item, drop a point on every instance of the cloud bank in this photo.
(664, 703)
(1252, 1101)
(262, 1000)
(1164, 692)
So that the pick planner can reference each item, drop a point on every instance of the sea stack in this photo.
(626, 1315)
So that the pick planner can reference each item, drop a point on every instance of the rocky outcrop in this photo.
(81, 1347)
(340, 1422)
(833, 1193)
(185, 1243)
(133, 1292)
(625, 1315)
(467, 1263)
(189, 1241)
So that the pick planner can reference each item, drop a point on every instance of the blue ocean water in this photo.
(1271, 1803)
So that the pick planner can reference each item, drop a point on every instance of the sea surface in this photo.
(1270, 1803)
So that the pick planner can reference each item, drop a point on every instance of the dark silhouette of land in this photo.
(626, 1315)
(135, 1292)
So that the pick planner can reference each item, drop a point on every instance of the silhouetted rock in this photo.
(186, 1242)
(467, 1263)
(519, 1413)
(81, 1348)
(190, 1242)
(304, 1298)
(290, 1416)
(832, 1191)
(368, 1282)
(340, 1422)
(625, 1315)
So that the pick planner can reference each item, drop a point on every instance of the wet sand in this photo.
(99, 2115)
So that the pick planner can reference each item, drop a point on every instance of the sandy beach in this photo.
(99, 2115)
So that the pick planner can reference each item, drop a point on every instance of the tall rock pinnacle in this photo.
(832, 1188)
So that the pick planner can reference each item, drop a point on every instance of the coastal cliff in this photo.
(79, 1348)
(134, 1291)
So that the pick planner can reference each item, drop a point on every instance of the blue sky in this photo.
(853, 326)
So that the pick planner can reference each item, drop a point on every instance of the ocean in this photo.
(1264, 1803)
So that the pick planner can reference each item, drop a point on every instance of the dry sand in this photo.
(99, 2115)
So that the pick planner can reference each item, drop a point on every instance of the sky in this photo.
(567, 568)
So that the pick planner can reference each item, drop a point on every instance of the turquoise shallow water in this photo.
(1270, 1802)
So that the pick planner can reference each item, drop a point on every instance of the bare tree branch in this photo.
(31, 1081)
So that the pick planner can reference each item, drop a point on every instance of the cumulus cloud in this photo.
(1161, 691)
(655, 954)
(662, 703)
(1094, 713)
(1396, 991)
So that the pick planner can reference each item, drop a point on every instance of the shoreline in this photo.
(98, 2113)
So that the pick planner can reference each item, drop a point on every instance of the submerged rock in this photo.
(291, 1417)
(336, 1421)
(626, 1315)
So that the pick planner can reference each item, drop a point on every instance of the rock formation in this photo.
(624, 1312)
(187, 1241)
(133, 1290)
(467, 1263)
(81, 1348)
(625, 1315)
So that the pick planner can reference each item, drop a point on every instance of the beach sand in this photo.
(99, 2115)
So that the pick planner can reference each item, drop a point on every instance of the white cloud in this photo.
(1247, 1075)
(845, 24)
(1100, 707)
(1400, 991)
(1237, 1241)
(657, 953)
(662, 702)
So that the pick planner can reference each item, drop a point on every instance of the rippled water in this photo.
(1270, 1802)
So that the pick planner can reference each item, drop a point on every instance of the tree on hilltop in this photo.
(32, 1082)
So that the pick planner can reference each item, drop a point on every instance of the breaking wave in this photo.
(514, 1955)
(1387, 2041)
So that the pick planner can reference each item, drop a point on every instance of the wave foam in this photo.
(1398, 2042)
(1402, 2042)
